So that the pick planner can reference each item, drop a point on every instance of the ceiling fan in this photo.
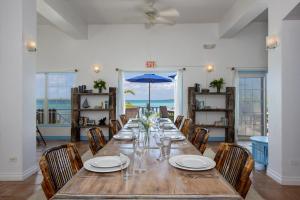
(155, 16)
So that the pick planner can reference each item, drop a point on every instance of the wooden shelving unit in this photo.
(77, 111)
(229, 110)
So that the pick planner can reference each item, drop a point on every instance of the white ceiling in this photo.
(294, 14)
(131, 11)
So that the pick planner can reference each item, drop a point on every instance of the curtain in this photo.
(120, 94)
(237, 113)
(178, 93)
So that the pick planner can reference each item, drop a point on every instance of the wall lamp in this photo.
(209, 67)
(272, 42)
(97, 68)
(31, 46)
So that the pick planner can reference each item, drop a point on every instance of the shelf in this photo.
(92, 109)
(213, 110)
(93, 94)
(95, 126)
(210, 126)
(210, 93)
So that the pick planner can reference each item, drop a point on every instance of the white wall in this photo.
(17, 107)
(290, 101)
(281, 160)
(129, 46)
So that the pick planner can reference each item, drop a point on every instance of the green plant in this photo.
(217, 83)
(128, 91)
(129, 105)
(100, 84)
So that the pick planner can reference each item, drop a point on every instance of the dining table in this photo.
(159, 179)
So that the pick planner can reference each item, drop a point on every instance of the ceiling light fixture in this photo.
(209, 46)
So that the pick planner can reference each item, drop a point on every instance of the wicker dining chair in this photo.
(58, 165)
(115, 126)
(186, 128)
(235, 163)
(200, 139)
(163, 110)
(178, 121)
(96, 139)
(124, 119)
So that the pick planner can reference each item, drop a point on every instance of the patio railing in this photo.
(142, 111)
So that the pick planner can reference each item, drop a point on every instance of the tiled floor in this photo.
(264, 185)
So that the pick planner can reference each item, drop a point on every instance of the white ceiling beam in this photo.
(64, 17)
(240, 15)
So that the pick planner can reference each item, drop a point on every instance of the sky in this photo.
(159, 91)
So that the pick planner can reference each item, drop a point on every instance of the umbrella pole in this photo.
(149, 98)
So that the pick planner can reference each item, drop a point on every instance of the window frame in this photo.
(46, 100)
(253, 74)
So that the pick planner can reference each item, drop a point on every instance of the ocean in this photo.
(155, 103)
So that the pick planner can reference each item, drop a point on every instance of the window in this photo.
(251, 104)
(54, 98)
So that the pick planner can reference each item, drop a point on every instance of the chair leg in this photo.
(41, 136)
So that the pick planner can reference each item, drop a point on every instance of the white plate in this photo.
(133, 125)
(106, 161)
(176, 159)
(175, 137)
(193, 162)
(87, 165)
(123, 136)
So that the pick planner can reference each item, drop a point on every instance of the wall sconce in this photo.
(97, 68)
(31, 46)
(272, 42)
(210, 68)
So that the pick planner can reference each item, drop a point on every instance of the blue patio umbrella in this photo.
(149, 78)
(173, 76)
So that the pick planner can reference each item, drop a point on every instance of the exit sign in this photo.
(150, 64)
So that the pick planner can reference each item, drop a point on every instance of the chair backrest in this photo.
(124, 119)
(200, 139)
(132, 112)
(115, 126)
(58, 166)
(186, 128)
(163, 112)
(235, 163)
(96, 139)
(178, 121)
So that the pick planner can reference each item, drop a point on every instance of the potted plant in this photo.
(217, 83)
(100, 84)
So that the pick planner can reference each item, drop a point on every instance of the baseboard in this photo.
(18, 176)
(283, 180)
(30, 171)
(274, 175)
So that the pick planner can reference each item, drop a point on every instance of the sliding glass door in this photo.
(251, 104)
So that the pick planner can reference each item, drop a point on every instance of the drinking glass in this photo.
(166, 146)
(139, 162)
(158, 141)
(136, 134)
(124, 171)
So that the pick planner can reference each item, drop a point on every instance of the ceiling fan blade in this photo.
(163, 20)
(172, 12)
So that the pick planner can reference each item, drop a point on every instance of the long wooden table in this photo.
(159, 181)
